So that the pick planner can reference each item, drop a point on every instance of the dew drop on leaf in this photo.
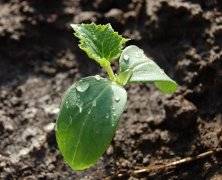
(94, 103)
(94, 37)
(97, 77)
(67, 104)
(80, 107)
(117, 99)
(82, 86)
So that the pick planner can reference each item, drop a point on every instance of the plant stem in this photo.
(107, 67)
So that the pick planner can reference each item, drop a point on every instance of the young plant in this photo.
(91, 107)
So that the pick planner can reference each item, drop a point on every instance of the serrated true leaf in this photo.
(88, 119)
(99, 41)
(144, 69)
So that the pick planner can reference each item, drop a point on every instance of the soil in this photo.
(40, 59)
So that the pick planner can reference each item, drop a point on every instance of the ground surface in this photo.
(39, 60)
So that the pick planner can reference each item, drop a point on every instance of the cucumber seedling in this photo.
(91, 107)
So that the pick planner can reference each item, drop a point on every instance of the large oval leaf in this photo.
(88, 118)
(144, 69)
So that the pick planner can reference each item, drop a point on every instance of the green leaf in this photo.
(124, 77)
(100, 42)
(88, 119)
(144, 69)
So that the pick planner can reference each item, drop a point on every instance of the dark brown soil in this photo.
(40, 59)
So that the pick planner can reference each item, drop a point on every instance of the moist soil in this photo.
(40, 59)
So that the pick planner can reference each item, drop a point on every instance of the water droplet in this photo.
(117, 99)
(82, 86)
(94, 103)
(97, 77)
(126, 58)
(94, 37)
(112, 124)
(107, 116)
(80, 107)
(114, 114)
(113, 109)
(67, 104)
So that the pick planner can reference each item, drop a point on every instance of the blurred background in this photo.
(40, 59)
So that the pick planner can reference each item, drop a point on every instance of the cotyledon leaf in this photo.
(88, 119)
(144, 69)
(100, 42)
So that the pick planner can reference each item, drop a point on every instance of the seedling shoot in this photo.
(92, 107)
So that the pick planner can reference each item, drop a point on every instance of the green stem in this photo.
(107, 67)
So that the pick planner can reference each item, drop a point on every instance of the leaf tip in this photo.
(167, 87)
(74, 26)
